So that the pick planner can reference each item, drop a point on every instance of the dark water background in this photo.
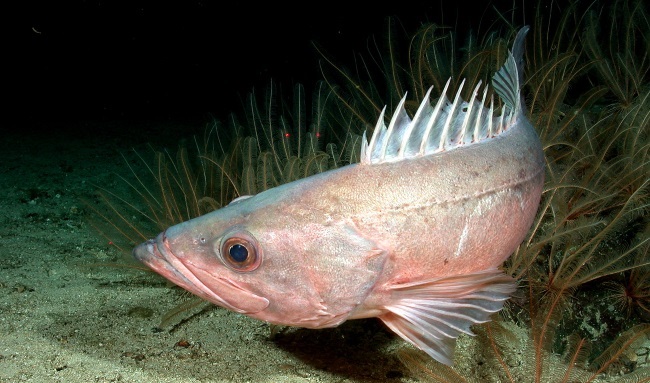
(190, 61)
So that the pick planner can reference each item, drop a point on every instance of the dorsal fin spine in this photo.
(470, 106)
(500, 127)
(450, 116)
(416, 121)
(490, 125)
(400, 111)
(434, 118)
(451, 124)
(479, 119)
(378, 129)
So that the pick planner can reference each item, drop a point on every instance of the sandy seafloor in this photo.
(67, 317)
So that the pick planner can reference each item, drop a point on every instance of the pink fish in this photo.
(414, 234)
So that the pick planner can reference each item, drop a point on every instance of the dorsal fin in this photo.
(450, 124)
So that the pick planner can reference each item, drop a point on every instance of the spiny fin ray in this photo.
(450, 124)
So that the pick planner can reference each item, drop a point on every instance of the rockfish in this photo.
(413, 234)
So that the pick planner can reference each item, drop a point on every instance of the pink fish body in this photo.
(413, 234)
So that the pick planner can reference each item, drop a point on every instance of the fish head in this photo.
(257, 257)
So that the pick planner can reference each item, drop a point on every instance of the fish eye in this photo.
(239, 251)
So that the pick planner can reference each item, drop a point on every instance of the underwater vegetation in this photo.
(582, 310)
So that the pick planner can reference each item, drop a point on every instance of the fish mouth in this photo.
(157, 255)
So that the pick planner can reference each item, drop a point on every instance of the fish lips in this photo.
(222, 291)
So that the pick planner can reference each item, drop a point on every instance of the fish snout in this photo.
(145, 251)
(149, 251)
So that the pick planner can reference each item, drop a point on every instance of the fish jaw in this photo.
(219, 290)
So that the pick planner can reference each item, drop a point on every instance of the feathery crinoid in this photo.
(556, 63)
(294, 143)
(617, 39)
(630, 291)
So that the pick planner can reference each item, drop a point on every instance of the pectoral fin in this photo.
(432, 314)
